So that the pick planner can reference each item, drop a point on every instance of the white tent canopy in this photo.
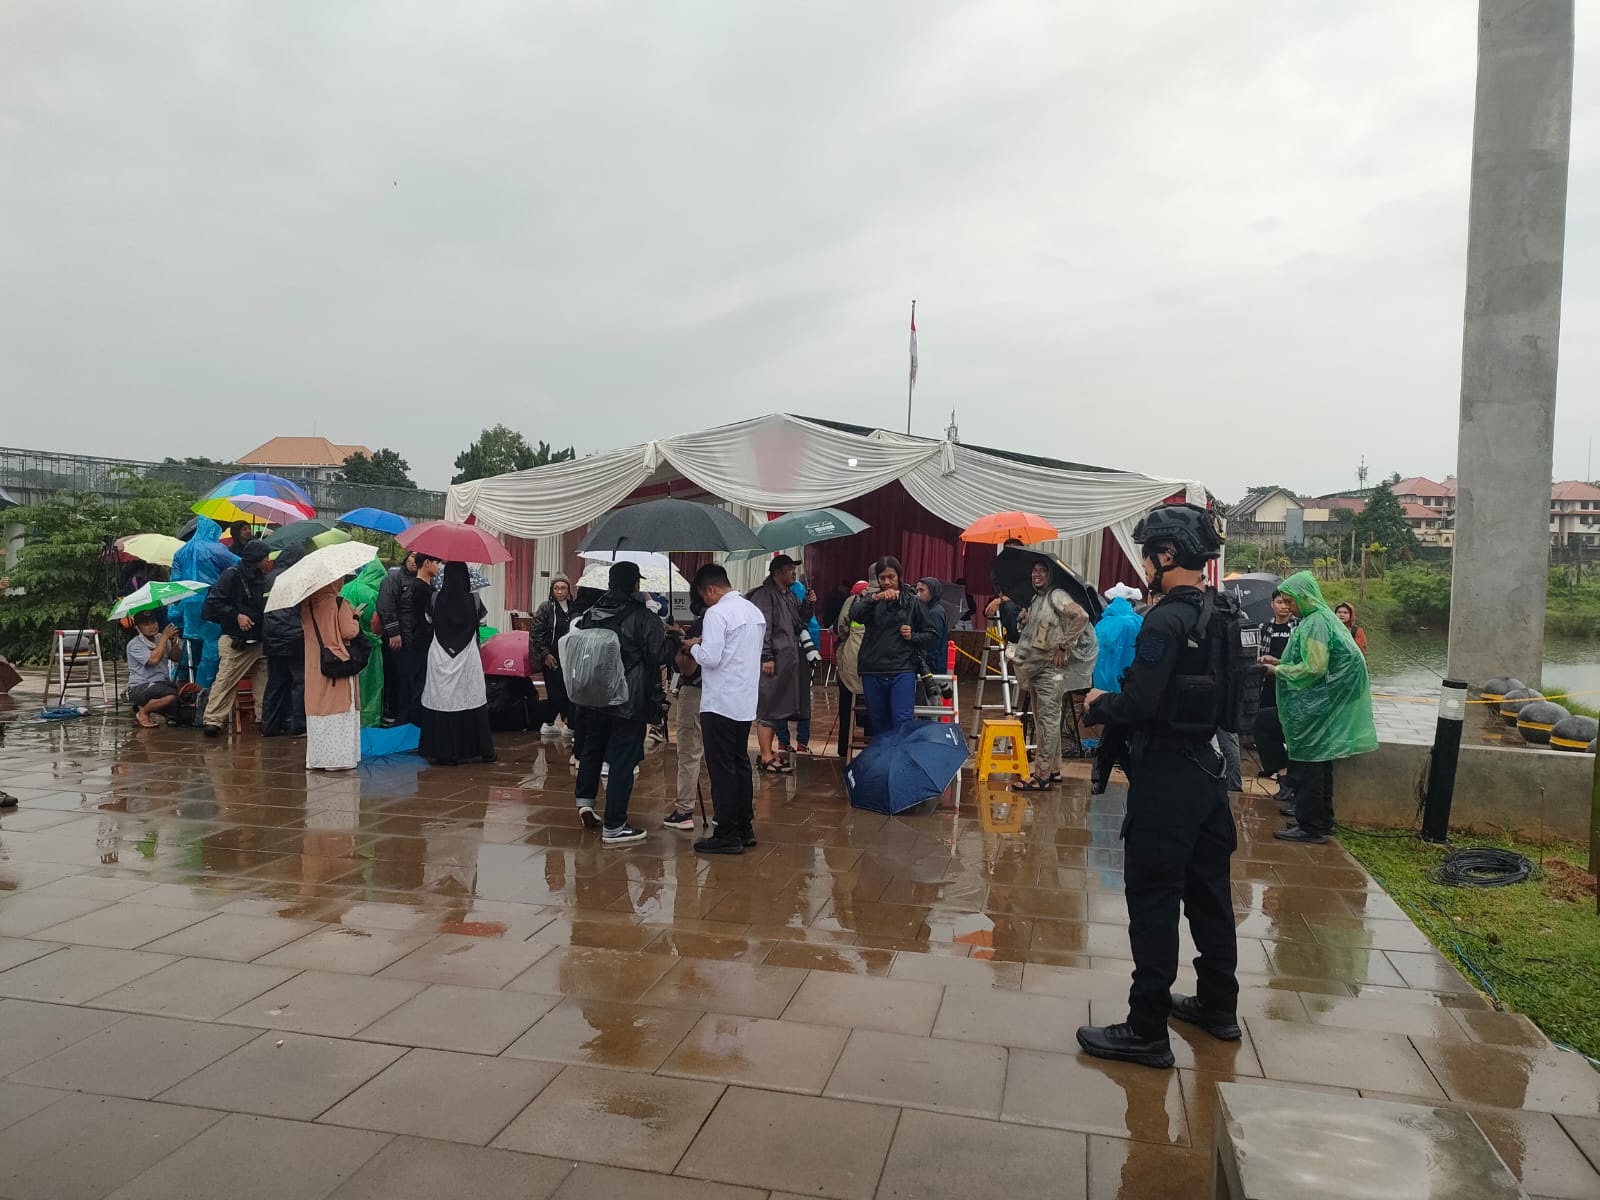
(784, 464)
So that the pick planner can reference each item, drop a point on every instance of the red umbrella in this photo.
(453, 542)
(506, 654)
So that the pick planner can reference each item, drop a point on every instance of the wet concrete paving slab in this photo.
(251, 980)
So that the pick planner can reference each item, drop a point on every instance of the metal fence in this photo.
(30, 475)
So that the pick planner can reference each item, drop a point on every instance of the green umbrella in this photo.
(316, 531)
(803, 528)
(156, 595)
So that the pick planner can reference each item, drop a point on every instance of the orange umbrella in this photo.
(1026, 527)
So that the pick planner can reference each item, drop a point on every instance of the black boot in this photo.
(747, 835)
(1122, 1043)
(1221, 1026)
(723, 840)
(1299, 833)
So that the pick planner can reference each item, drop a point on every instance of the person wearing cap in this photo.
(785, 687)
(1117, 630)
(614, 737)
(237, 601)
(1178, 835)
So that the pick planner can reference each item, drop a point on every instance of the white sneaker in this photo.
(565, 731)
(547, 730)
(605, 770)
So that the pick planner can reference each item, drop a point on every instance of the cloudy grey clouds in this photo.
(1222, 239)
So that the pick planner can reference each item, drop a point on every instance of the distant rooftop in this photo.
(300, 452)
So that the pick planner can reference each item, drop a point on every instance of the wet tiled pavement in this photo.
(222, 976)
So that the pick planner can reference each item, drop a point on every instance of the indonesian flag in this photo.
(913, 343)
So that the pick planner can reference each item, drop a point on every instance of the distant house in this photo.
(1575, 514)
(301, 457)
(1263, 517)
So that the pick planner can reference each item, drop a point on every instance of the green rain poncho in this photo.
(362, 595)
(1324, 700)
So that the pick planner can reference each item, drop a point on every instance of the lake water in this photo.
(1406, 660)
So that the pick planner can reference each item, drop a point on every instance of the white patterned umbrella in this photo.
(316, 571)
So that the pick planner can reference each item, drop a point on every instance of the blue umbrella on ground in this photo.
(377, 519)
(900, 770)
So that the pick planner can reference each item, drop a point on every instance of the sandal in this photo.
(775, 766)
(1031, 785)
(145, 722)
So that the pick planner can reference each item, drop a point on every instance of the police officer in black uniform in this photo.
(1178, 835)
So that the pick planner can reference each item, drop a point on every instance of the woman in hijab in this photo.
(333, 717)
(455, 701)
(1347, 617)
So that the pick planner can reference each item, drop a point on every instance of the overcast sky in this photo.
(1223, 240)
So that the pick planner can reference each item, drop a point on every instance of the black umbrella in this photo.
(1254, 594)
(1013, 575)
(670, 526)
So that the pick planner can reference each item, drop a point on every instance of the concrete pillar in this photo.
(1516, 226)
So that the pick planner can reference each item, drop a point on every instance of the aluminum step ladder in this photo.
(76, 665)
(994, 646)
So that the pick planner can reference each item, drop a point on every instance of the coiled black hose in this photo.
(1483, 867)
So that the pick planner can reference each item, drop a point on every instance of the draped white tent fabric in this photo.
(783, 463)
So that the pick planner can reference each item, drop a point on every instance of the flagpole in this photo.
(911, 381)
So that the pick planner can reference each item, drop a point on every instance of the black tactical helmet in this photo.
(1192, 531)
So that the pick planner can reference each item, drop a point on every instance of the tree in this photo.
(500, 450)
(1383, 521)
(384, 469)
(62, 565)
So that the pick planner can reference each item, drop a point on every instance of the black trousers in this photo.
(394, 683)
(415, 676)
(1270, 746)
(283, 708)
(556, 701)
(1178, 838)
(1313, 796)
(727, 748)
(846, 705)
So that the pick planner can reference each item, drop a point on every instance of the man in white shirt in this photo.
(729, 653)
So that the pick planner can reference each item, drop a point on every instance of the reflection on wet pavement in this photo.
(433, 920)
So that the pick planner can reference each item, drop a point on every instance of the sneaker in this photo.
(7, 800)
(605, 770)
(1123, 1044)
(623, 835)
(1219, 1025)
(680, 819)
(720, 843)
(656, 733)
(566, 731)
(1286, 810)
(802, 748)
(547, 730)
(1298, 833)
(747, 835)
(590, 819)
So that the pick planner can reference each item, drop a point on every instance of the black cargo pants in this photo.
(1178, 839)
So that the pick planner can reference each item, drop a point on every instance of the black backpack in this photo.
(1218, 683)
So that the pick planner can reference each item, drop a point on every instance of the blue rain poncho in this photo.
(1117, 630)
(1324, 698)
(202, 558)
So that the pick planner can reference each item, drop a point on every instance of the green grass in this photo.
(1536, 943)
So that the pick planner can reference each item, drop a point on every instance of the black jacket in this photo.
(241, 590)
(390, 594)
(646, 652)
(415, 607)
(883, 650)
(284, 636)
(1158, 653)
(550, 625)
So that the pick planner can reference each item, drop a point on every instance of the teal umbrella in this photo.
(316, 531)
(803, 528)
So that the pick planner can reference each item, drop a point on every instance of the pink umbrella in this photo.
(506, 654)
(453, 542)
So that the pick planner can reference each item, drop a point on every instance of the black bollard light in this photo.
(1442, 763)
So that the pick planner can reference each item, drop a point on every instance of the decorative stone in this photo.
(1575, 733)
(1495, 690)
(1537, 719)
(1513, 701)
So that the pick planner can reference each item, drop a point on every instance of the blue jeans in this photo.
(802, 732)
(890, 700)
(619, 743)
